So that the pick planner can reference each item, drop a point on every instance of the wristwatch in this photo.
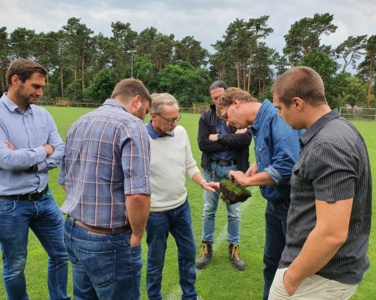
(219, 136)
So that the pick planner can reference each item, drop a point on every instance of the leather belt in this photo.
(27, 197)
(281, 200)
(226, 163)
(100, 230)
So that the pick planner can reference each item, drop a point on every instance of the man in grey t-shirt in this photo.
(329, 220)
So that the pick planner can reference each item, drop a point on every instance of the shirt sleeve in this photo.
(54, 139)
(284, 143)
(136, 158)
(332, 171)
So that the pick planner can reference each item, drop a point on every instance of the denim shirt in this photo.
(276, 149)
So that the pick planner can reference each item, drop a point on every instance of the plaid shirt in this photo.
(107, 158)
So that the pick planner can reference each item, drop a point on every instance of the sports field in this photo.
(219, 280)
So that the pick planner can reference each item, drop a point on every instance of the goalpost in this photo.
(358, 113)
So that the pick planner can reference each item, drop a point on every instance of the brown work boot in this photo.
(206, 255)
(234, 256)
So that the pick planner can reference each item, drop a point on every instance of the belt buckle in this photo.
(34, 197)
(223, 163)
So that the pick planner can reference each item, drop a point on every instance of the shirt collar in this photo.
(312, 131)
(12, 106)
(153, 134)
(264, 108)
(113, 102)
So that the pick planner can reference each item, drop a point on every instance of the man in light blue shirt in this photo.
(30, 146)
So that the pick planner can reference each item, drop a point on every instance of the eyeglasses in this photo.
(170, 120)
(225, 116)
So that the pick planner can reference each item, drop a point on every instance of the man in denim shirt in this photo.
(276, 150)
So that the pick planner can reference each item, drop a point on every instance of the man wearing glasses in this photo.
(276, 150)
(171, 161)
(223, 149)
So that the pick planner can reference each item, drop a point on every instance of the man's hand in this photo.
(213, 137)
(135, 240)
(290, 285)
(252, 170)
(10, 146)
(210, 186)
(243, 130)
(238, 177)
(49, 149)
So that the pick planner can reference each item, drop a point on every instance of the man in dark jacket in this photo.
(223, 149)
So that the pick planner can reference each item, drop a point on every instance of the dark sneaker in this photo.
(234, 256)
(206, 255)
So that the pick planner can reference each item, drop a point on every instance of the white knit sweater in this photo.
(171, 161)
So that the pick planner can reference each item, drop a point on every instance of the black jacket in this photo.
(239, 143)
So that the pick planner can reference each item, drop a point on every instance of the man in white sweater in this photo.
(171, 161)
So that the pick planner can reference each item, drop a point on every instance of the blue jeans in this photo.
(211, 204)
(178, 221)
(276, 223)
(104, 265)
(46, 221)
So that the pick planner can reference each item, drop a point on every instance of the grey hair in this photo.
(218, 84)
(161, 99)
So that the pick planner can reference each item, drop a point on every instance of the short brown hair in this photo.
(231, 94)
(24, 69)
(302, 82)
(128, 88)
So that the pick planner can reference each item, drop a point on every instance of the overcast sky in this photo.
(205, 20)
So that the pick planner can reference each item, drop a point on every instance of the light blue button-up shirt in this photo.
(27, 133)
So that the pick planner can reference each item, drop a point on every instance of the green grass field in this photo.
(219, 280)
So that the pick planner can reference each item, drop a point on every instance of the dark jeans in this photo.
(104, 265)
(46, 221)
(276, 219)
(178, 221)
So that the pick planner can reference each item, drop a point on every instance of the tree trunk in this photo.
(2, 81)
(222, 74)
(244, 75)
(62, 81)
(83, 70)
(370, 82)
(249, 71)
(259, 81)
(238, 73)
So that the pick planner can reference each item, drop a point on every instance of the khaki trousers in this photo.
(312, 288)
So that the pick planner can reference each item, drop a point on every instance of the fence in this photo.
(62, 101)
(358, 113)
(199, 107)
(85, 104)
